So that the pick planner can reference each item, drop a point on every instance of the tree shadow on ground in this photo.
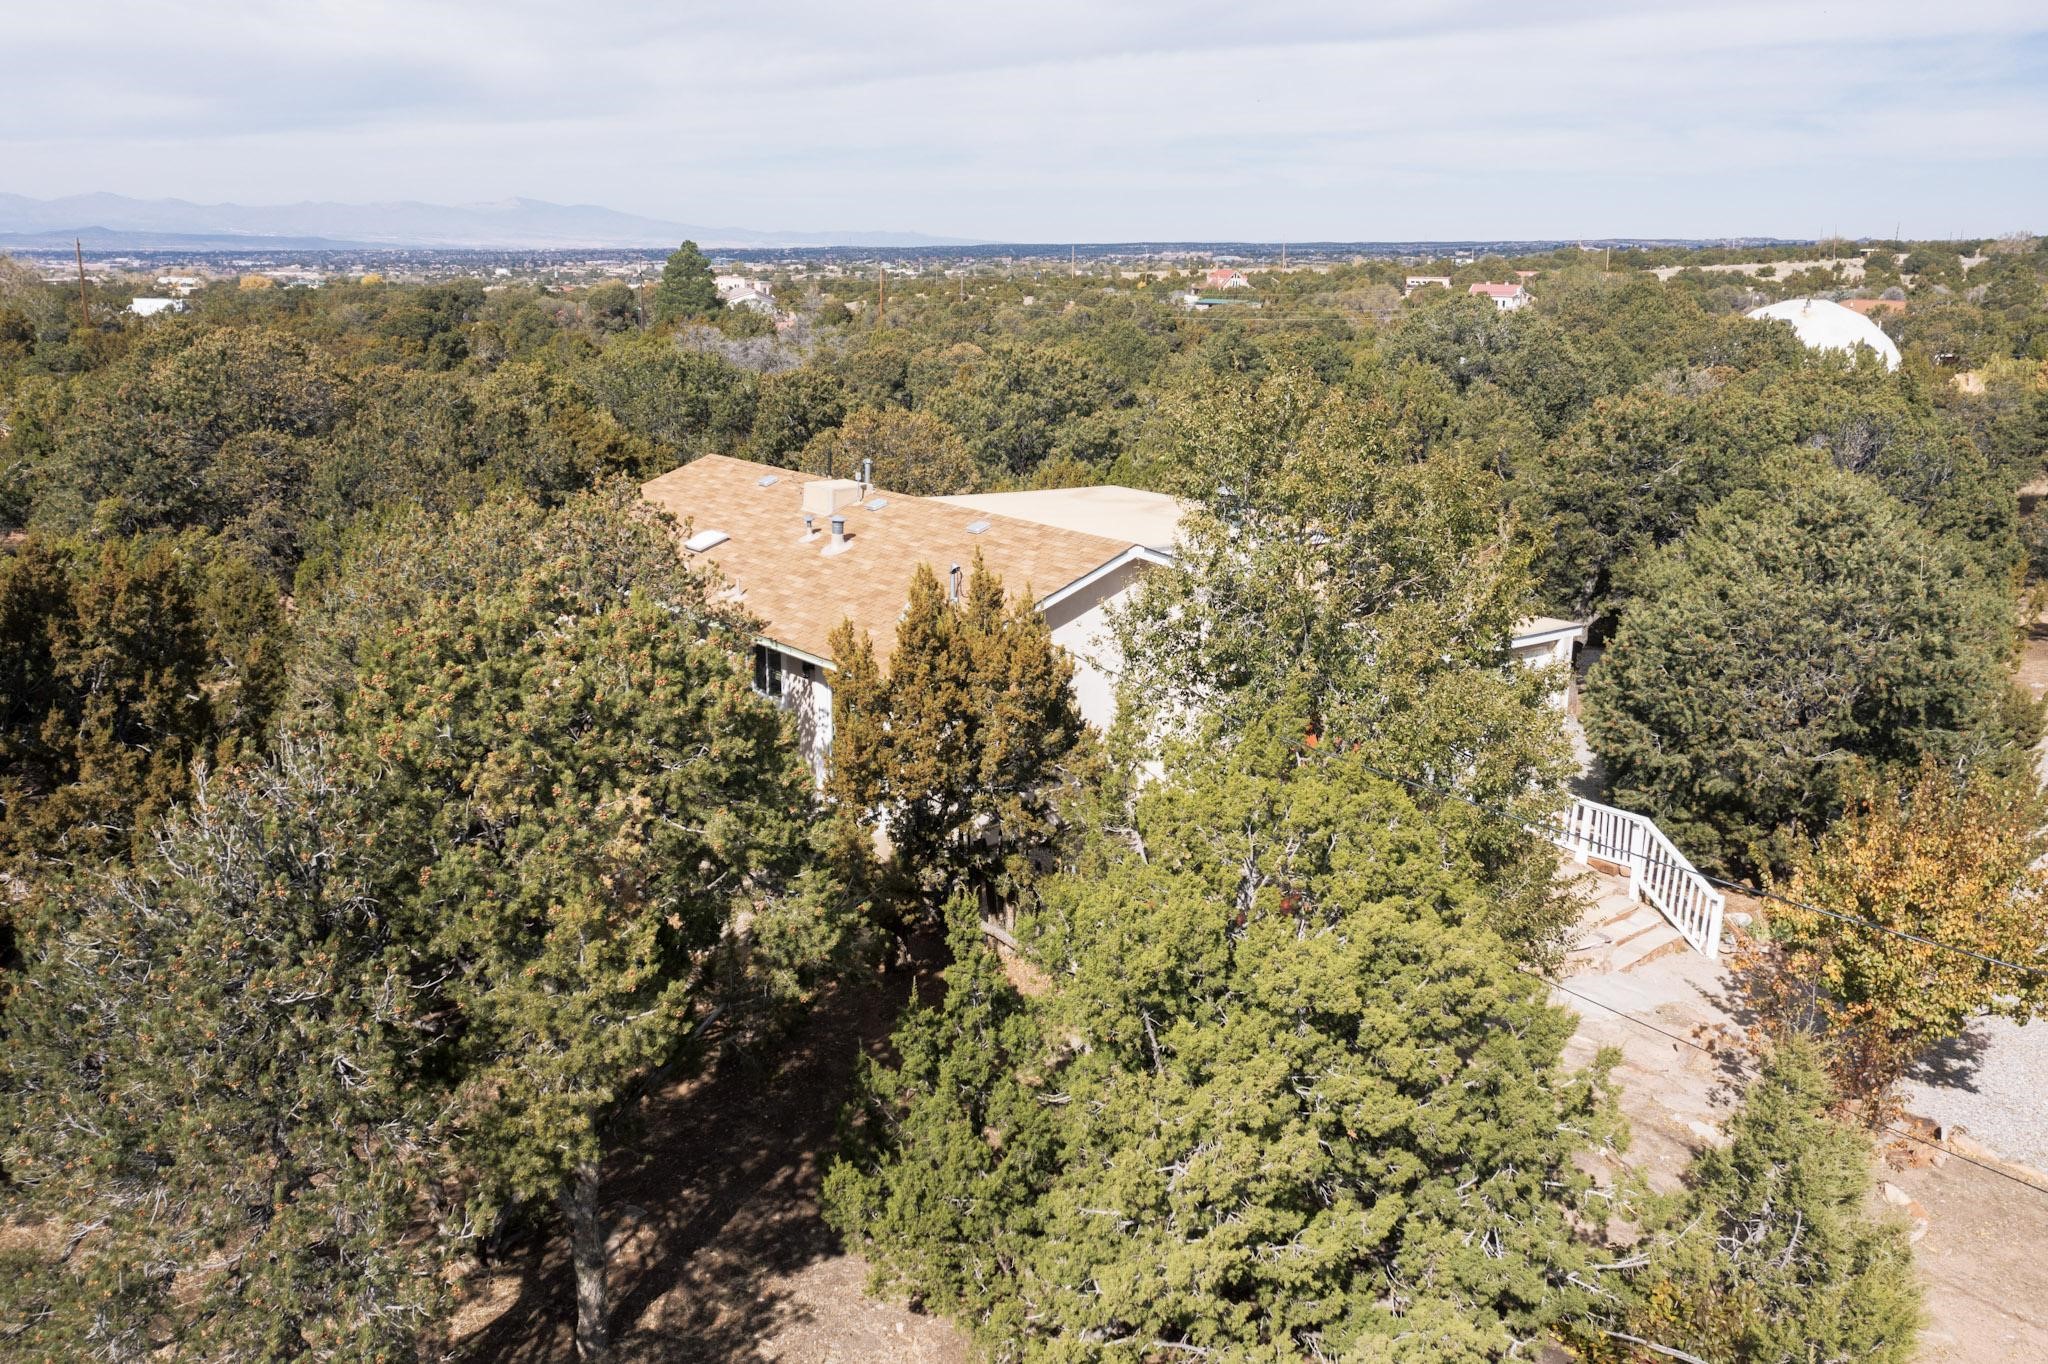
(712, 1198)
(1953, 1064)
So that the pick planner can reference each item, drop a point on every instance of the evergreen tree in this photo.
(946, 1152)
(606, 827)
(686, 290)
(1346, 559)
(1287, 1096)
(212, 1080)
(118, 669)
(1782, 636)
(1769, 1256)
(960, 752)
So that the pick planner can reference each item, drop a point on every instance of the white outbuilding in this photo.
(1822, 325)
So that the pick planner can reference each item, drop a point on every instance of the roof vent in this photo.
(878, 504)
(705, 539)
(766, 481)
(976, 527)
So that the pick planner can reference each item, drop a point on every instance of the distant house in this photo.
(1223, 277)
(1200, 303)
(1868, 306)
(1525, 274)
(744, 291)
(150, 307)
(1423, 281)
(179, 285)
(1506, 297)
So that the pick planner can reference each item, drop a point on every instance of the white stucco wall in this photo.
(1080, 625)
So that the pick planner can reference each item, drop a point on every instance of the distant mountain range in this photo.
(115, 222)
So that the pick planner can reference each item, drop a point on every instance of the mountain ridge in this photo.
(517, 222)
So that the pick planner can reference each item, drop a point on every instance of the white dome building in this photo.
(1822, 325)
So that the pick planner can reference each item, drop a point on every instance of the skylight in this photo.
(766, 481)
(878, 504)
(705, 539)
(976, 527)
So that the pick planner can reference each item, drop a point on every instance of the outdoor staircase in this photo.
(1616, 933)
(1642, 884)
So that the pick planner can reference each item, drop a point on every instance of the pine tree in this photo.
(1769, 1255)
(214, 1080)
(960, 752)
(686, 291)
(601, 819)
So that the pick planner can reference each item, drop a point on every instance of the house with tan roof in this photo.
(802, 552)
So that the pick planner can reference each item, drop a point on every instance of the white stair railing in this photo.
(1657, 870)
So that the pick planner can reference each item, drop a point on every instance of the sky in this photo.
(1060, 121)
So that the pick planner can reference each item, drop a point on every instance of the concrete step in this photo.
(1662, 941)
(1608, 908)
(1621, 928)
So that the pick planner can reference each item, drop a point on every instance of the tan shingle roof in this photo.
(801, 595)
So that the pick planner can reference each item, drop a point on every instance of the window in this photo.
(768, 672)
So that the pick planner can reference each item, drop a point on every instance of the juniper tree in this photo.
(1288, 1095)
(1785, 635)
(1770, 1255)
(1342, 557)
(960, 752)
(215, 1082)
(119, 667)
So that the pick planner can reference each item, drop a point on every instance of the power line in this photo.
(1541, 831)
(1687, 1041)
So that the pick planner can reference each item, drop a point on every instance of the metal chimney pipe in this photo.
(838, 530)
(867, 475)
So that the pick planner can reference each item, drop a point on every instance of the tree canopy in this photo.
(1783, 637)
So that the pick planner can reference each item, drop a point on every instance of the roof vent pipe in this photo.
(953, 584)
(839, 532)
(867, 475)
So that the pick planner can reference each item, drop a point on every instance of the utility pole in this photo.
(1073, 260)
(1283, 258)
(881, 294)
(84, 308)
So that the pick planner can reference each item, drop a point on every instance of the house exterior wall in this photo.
(800, 687)
(1543, 652)
(1080, 625)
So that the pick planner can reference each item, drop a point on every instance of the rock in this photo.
(1706, 1132)
(1894, 1195)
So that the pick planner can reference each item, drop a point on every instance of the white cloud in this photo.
(1062, 119)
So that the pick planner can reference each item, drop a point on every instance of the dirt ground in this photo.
(1981, 1259)
(719, 1251)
